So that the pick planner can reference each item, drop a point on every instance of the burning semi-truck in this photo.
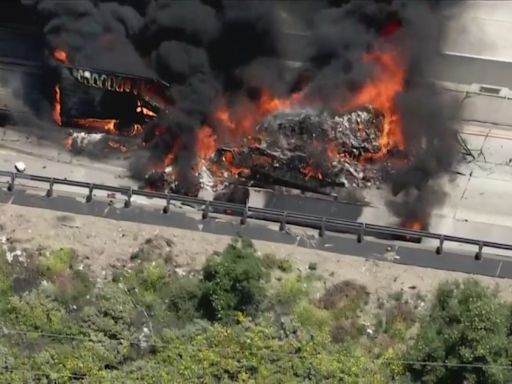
(105, 101)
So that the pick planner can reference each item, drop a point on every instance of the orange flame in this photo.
(144, 110)
(380, 93)
(416, 225)
(116, 145)
(107, 125)
(240, 120)
(311, 172)
(60, 55)
(206, 143)
(268, 104)
(56, 106)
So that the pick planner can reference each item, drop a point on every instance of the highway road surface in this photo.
(150, 212)
(477, 205)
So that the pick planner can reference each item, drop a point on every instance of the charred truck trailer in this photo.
(86, 96)
(106, 101)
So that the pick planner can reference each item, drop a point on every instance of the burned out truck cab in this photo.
(104, 100)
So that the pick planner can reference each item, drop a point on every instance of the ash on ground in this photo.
(97, 144)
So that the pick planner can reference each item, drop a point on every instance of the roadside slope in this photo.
(104, 244)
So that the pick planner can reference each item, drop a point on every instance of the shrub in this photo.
(111, 312)
(312, 266)
(232, 282)
(146, 283)
(285, 265)
(153, 249)
(466, 325)
(271, 262)
(36, 311)
(57, 261)
(182, 299)
(399, 317)
(5, 275)
(311, 317)
(346, 297)
(345, 330)
(71, 285)
(397, 296)
(290, 292)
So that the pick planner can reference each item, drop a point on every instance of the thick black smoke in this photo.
(233, 48)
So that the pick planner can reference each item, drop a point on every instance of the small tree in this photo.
(466, 325)
(232, 282)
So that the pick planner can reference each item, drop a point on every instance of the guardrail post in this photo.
(478, 254)
(88, 198)
(167, 207)
(10, 186)
(49, 192)
(245, 213)
(206, 211)
(321, 231)
(128, 201)
(439, 248)
(282, 224)
(360, 235)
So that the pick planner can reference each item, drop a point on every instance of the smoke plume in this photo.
(211, 48)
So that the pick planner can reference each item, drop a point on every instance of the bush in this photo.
(110, 313)
(312, 266)
(146, 284)
(182, 299)
(285, 266)
(71, 284)
(290, 292)
(5, 275)
(311, 317)
(345, 330)
(57, 261)
(399, 318)
(346, 298)
(466, 325)
(269, 261)
(232, 282)
(36, 311)
(397, 296)
(72, 287)
(272, 262)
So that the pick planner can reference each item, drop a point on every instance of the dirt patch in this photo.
(342, 294)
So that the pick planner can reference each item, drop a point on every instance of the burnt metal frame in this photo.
(283, 218)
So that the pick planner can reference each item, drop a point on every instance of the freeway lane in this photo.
(150, 212)
(477, 204)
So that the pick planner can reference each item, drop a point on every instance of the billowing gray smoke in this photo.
(234, 48)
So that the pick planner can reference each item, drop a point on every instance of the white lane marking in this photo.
(499, 268)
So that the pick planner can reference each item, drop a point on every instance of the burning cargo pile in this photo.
(305, 149)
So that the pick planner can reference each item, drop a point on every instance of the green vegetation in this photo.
(468, 325)
(271, 262)
(233, 282)
(242, 319)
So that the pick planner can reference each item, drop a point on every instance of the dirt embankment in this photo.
(104, 244)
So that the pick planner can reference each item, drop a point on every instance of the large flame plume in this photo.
(239, 121)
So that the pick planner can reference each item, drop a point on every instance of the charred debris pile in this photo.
(303, 148)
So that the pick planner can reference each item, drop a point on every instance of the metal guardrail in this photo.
(323, 224)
